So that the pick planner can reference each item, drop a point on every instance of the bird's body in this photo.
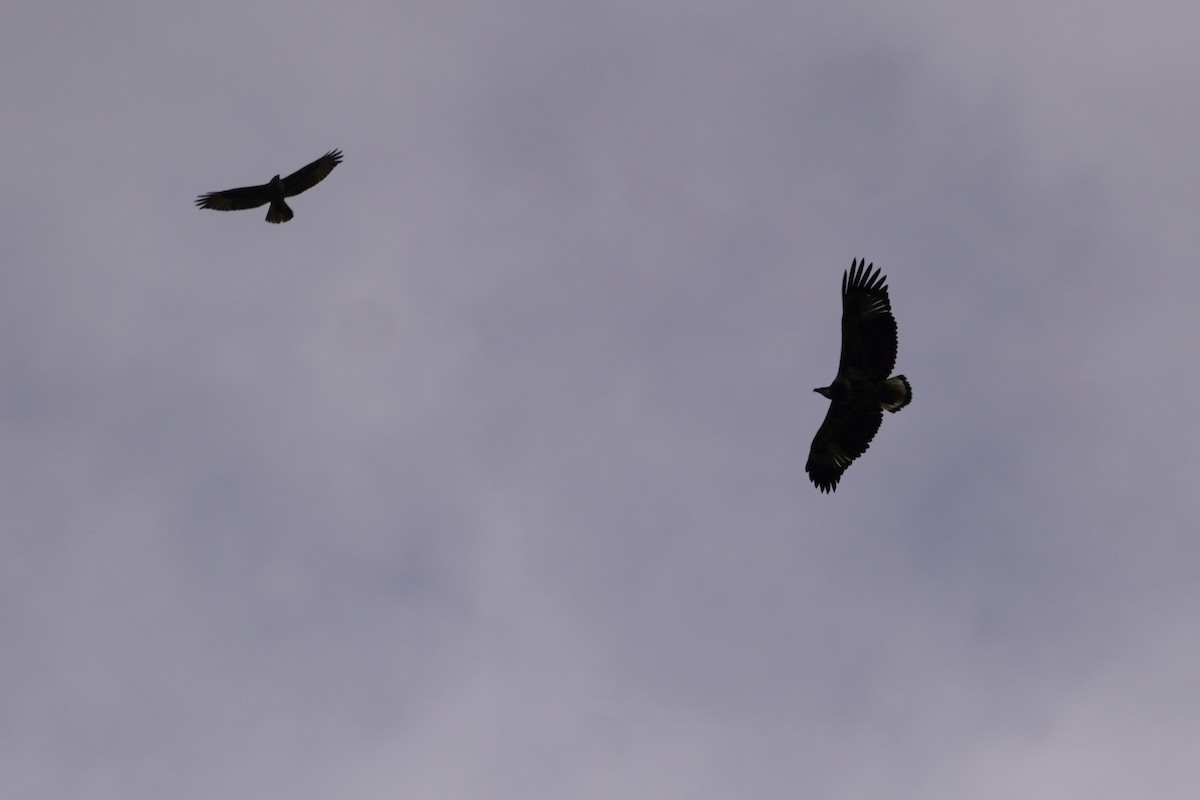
(862, 390)
(274, 191)
(279, 211)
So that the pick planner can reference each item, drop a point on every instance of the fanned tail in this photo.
(897, 393)
(279, 212)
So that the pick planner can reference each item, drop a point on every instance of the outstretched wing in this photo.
(236, 199)
(309, 176)
(845, 435)
(868, 327)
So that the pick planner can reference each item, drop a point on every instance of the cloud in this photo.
(485, 476)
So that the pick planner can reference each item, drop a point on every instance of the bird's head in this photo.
(838, 390)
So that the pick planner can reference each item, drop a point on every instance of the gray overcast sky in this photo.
(484, 476)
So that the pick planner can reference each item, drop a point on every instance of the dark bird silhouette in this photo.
(862, 389)
(254, 196)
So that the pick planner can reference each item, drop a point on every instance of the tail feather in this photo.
(279, 212)
(897, 393)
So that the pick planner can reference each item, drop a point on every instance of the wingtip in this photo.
(863, 275)
(824, 487)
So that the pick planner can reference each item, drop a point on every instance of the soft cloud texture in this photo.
(483, 477)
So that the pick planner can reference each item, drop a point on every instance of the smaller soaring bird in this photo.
(273, 192)
(862, 389)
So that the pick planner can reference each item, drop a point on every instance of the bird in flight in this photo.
(862, 390)
(254, 196)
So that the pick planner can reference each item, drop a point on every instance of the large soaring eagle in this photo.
(273, 192)
(862, 389)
